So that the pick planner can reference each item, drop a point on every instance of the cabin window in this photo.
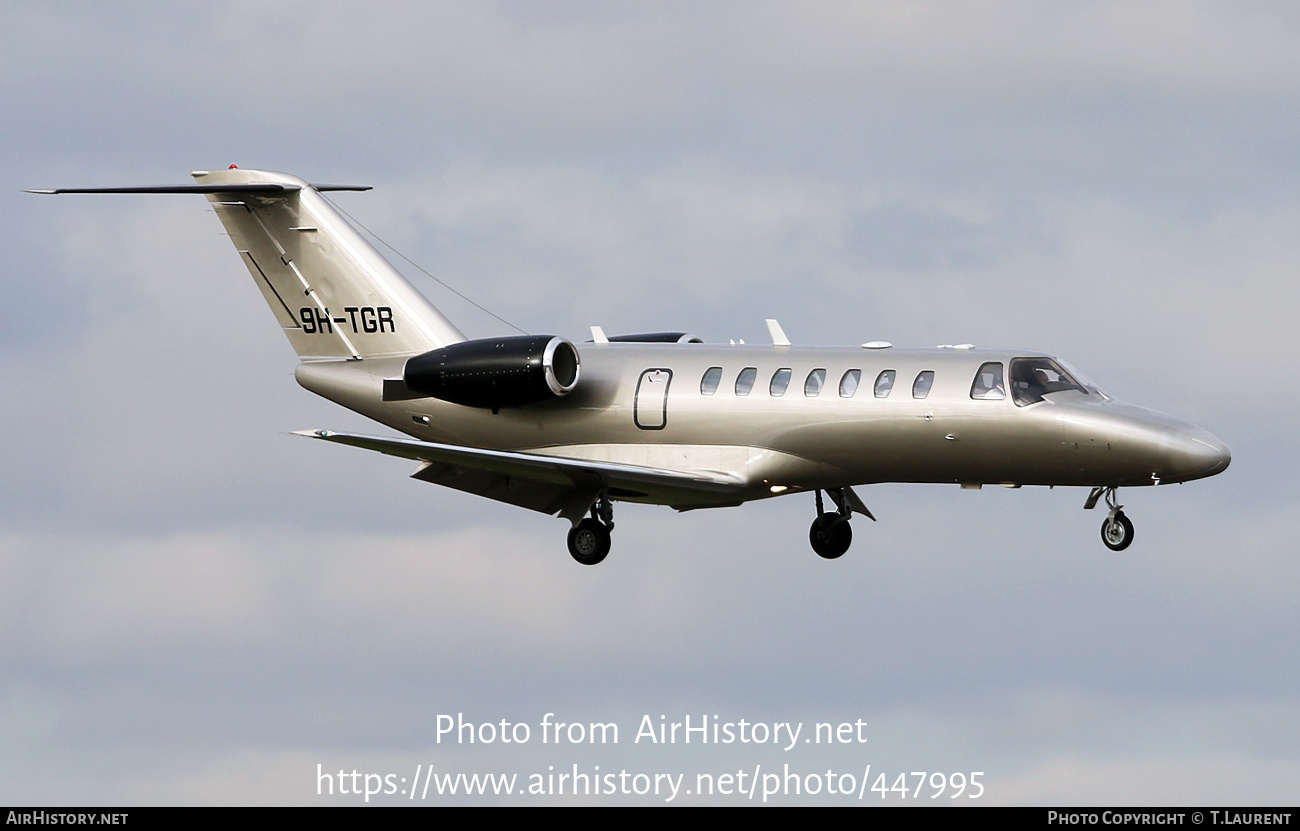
(849, 383)
(745, 380)
(780, 380)
(921, 386)
(709, 383)
(987, 385)
(813, 385)
(885, 383)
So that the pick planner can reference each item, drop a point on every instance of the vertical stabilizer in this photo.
(330, 290)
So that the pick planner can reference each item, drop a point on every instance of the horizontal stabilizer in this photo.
(249, 188)
(261, 187)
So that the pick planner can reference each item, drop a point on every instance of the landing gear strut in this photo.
(1116, 529)
(589, 540)
(831, 534)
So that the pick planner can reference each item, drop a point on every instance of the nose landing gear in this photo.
(1116, 529)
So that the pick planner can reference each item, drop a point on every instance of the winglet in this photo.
(598, 335)
(778, 336)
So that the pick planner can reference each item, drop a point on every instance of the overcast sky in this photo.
(196, 607)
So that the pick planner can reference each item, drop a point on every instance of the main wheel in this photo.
(1117, 532)
(589, 542)
(830, 536)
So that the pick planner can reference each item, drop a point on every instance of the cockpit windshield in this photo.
(1032, 378)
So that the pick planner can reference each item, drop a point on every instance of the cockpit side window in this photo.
(1032, 378)
(885, 383)
(709, 383)
(921, 386)
(987, 385)
(780, 380)
(745, 380)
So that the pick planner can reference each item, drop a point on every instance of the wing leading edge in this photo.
(549, 484)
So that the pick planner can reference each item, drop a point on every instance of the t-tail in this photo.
(331, 292)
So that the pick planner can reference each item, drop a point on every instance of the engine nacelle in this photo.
(496, 372)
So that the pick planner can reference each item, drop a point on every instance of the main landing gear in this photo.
(831, 534)
(1116, 529)
(589, 540)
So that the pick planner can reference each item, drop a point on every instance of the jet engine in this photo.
(496, 372)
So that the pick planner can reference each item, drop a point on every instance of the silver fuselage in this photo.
(797, 441)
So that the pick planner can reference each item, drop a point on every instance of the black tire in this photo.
(589, 542)
(1117, 533)
(830, 536)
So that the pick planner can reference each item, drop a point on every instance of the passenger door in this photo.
(650, 410)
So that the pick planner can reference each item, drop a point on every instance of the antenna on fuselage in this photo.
(777, 333)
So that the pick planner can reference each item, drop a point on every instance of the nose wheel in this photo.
(1116, 529)
(589, 540)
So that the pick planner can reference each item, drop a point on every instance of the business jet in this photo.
(569, 428)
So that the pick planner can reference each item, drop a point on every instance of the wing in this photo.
(550, 484)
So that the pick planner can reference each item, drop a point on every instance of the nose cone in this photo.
(1196, 453)
(1131, 445)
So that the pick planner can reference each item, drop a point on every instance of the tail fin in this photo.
(330, 290)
